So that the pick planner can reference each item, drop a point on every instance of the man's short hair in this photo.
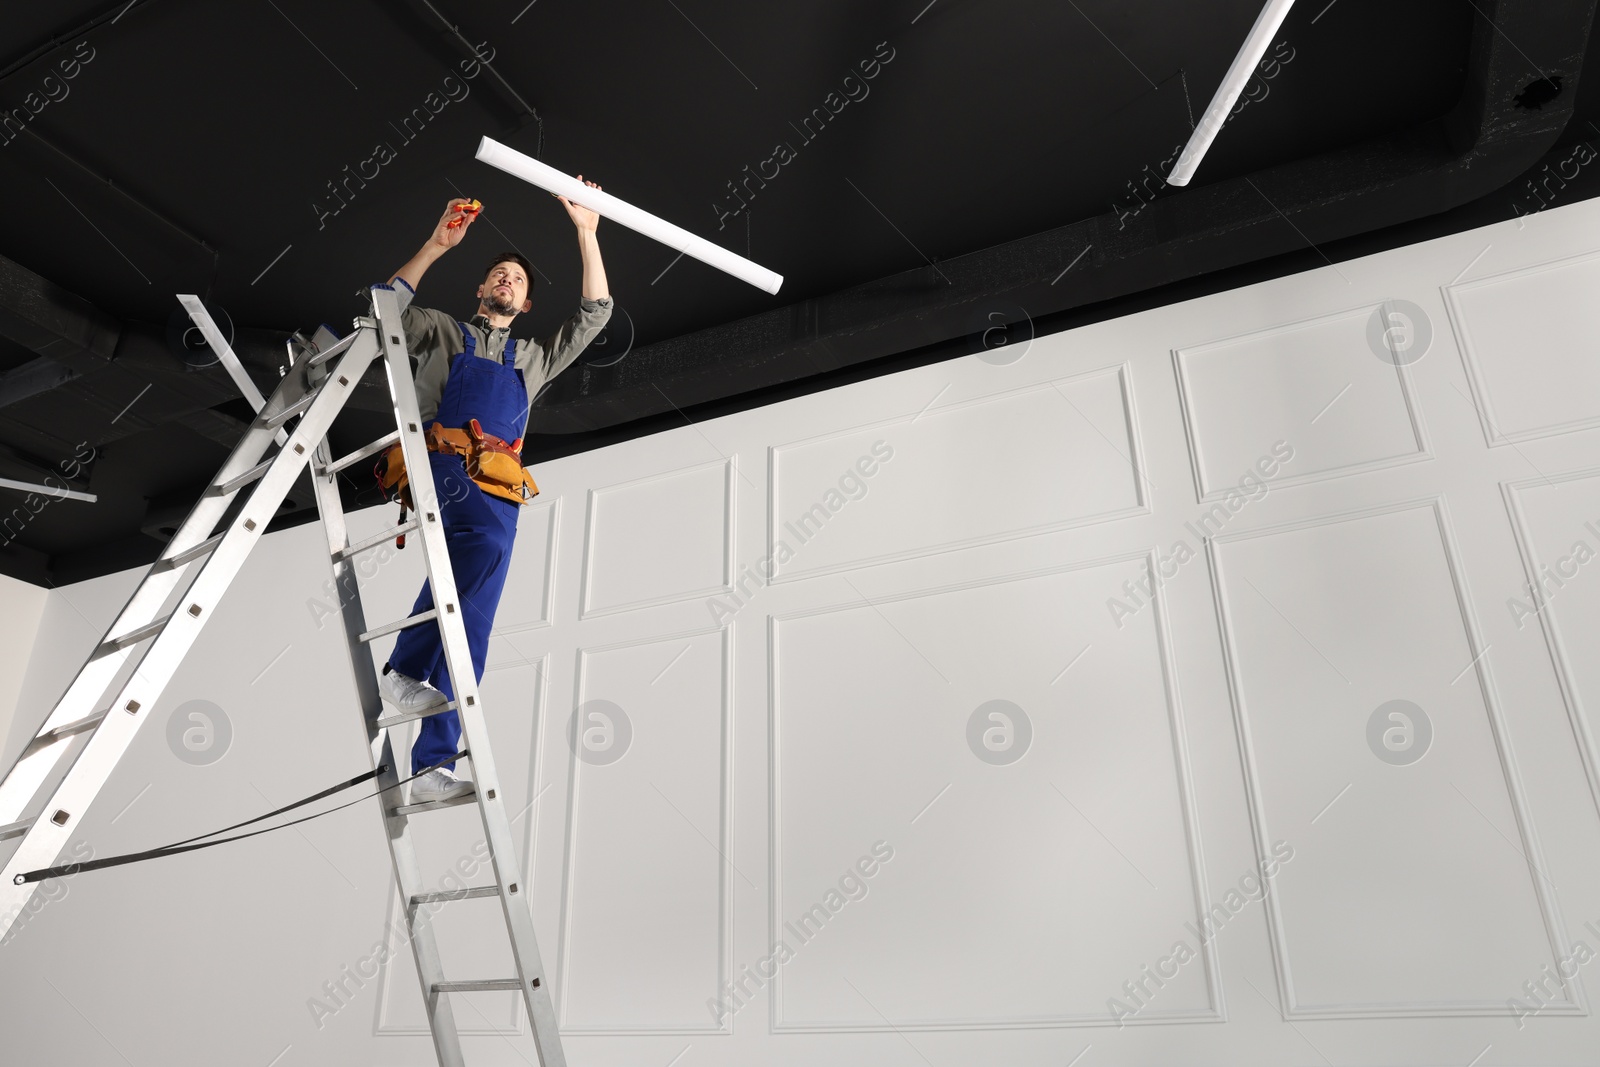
(512, 257)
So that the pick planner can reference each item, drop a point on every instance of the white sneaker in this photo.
(407, 693)
(438, 784)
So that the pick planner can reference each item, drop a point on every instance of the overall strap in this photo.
(507, 359)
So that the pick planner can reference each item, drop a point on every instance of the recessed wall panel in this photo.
(526, 602)
(1531, 349)
(1315, 386)
(1372, 747)
(658, 539)
(644, 953)
(1023, 886)
(1557, 521)
(1043, 458)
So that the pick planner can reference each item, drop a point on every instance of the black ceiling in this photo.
(192, 149)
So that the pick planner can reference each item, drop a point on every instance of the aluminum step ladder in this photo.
(43, 797)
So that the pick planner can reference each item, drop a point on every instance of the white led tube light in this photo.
(1238, 76)
(551, 180)
(46, 490)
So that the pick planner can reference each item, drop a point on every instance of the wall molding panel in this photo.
(1353, 627)
(1527, 341)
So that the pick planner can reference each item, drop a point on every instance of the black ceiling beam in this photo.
(113, 12)
(105, 363)
(215, 426)
(1484, 142)
(24, 466)
(462, 47)
(55, 323)
(32, 378)
(128, 195)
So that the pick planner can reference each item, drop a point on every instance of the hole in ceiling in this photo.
(1539, 92)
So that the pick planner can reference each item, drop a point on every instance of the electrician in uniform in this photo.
(475, 388)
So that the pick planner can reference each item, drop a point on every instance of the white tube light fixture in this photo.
(47, 490)
(623, 213)
(1238, 76)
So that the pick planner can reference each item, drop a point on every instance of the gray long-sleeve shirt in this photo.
(433, 337)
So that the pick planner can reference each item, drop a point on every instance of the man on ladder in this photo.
(475, 388)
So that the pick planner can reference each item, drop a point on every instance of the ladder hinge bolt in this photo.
(249, 524)
(133, 707)
(299, 450)
(194, 609)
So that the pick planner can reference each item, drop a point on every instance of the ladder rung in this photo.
(395, 718)
(77, 726)
(15, 829)
(224, 488)
(456, 894)
(361, 453)
(400, 624)
(331, 351)
(132, 637)
(167, 563)
(435, 805)
(375, 540)
(273, 422)
(480, 985)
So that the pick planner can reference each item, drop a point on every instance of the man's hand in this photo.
(584, 219)
(446, 235)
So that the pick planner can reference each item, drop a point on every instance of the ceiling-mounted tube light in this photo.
(46, 490)
(1244, 65)
(551, 180)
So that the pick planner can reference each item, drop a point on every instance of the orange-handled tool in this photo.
(466, 209)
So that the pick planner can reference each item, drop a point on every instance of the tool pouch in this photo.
(495, 466)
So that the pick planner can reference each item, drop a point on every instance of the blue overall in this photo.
(478, 528)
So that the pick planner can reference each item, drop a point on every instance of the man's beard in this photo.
(497, 306)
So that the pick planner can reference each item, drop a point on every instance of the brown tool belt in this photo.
(495, 466)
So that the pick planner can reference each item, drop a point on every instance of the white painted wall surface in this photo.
(22, 607)
(1178, 742)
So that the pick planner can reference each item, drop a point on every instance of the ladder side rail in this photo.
(46, 838)
(402, 851)
(149, 600)
(514, 899)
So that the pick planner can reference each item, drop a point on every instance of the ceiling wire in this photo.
(111, 14)
(528, 110)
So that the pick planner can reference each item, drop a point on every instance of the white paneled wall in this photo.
(1210, 686)
(19, 625)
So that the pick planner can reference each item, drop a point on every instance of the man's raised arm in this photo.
(585, 221)
(444, 238)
